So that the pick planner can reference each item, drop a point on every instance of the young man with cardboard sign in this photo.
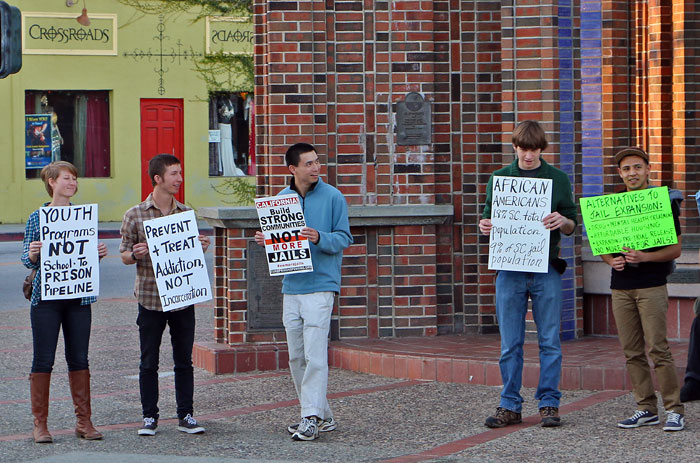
(309, 296)
(639, 303)
(514, 287)
(166, 176)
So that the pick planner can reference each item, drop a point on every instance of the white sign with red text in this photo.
(281, 221)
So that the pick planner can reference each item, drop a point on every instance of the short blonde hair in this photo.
(53, 170)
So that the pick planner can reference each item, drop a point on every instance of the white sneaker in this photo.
(308, 429)
(323, 426)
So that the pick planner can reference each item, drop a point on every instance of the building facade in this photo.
(411, 105)
(599, 75)
(110, 94)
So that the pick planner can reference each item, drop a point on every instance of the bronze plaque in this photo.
(264, 292)
(413, 124)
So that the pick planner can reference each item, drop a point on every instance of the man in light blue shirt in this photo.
(309, 297)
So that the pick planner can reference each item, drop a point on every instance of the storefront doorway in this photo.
(161, 132)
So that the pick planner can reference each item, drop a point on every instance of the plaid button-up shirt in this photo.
(31, 233)
(145, 288)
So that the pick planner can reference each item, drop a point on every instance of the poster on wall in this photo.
(178, 260)
(281, 221)
(519, 240)
(69, 258)
(37, 144)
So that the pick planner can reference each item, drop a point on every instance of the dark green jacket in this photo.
(562, 197)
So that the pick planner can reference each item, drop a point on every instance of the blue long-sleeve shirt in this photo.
(326, 211)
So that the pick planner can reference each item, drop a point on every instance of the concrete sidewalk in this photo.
(379, 418)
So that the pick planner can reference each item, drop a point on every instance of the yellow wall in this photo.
(128, 81)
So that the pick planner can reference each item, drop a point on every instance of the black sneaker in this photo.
(323, 426)
(189, 425)
(307, 430)
(149, 427)
(640, 418)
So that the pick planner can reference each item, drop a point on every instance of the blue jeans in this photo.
(48, 318)
(151, 326)
(512, 290)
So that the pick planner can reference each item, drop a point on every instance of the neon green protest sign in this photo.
(635, 219)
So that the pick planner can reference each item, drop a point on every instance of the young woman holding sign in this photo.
(48, 317)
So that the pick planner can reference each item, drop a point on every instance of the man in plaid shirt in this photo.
(166, 176)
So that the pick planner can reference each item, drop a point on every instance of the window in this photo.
(68, 125)
(231, 117)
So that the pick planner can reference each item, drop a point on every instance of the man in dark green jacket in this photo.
(514, 287)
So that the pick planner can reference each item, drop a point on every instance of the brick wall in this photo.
(331, 73)
(598, 74)
(685, 88)
(540, 79)
(481, 149)
(599, 319)
(648, 93)
(647, 97)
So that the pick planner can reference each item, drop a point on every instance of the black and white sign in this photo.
(519, 241)
(69, 259)
(178, 260)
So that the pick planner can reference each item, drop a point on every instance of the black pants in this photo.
(48, 318)
(151, 326)
(693, 368)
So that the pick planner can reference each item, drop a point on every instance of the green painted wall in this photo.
(128, 81)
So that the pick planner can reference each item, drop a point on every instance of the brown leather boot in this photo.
(80, 390)
(39, 385)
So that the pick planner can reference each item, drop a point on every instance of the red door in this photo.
(161, 132)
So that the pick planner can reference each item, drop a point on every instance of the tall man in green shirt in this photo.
(513, 288)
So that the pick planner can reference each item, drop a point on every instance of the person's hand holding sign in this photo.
(618, 263)
(260, 238)
(485, 226)
(555, 221)
(633, 257)
(310, 234)
(204, 240)
(139, 250)
(101, 249)
(34, 250)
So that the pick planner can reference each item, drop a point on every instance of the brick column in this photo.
(539, 63)
(686, 130)
(481, 135)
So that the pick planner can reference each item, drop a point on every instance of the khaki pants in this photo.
(640, 315)
(307, 320)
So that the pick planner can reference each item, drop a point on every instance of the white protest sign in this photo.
(519, 241)
(178, 260)
(281, 221)
(70, 265)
